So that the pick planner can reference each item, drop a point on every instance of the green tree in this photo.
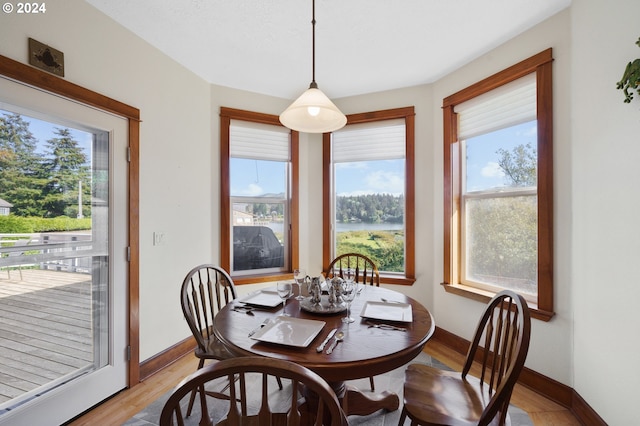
(371, 208)
(519, 165)
(66, 167)
(21, 171)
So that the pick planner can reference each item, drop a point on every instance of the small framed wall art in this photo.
(46, 57)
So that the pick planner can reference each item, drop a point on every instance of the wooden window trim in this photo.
(408, 114)
(226, 115)
(541, 65)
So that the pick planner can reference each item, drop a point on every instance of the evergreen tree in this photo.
(66, 166)
(370, 208)
(21, 173)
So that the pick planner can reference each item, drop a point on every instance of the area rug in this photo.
(391, 381)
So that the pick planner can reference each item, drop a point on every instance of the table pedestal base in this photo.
(353, 400)
(356, 402)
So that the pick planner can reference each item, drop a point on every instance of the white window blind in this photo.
(508, 105)
(383, 140)
(258, 141)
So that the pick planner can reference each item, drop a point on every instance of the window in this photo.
(498, 186)
(259, 196)
(368, 184)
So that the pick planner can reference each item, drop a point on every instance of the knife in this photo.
(329, 336)
(255, 330)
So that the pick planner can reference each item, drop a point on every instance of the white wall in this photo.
(605, 227)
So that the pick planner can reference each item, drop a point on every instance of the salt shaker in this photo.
(315, 290)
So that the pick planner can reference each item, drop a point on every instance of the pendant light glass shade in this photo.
(313, 112)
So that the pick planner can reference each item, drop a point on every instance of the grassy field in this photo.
(385, 248)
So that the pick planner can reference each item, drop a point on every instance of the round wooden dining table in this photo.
(366, 350)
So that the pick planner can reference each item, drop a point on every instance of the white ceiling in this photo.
(362, 46)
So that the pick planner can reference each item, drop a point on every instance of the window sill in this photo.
(396, 279)
(484, 297)
(262, 278)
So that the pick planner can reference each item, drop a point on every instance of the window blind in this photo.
(385, 140)
(258, 141)
(508, 105)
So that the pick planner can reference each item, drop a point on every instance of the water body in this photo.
(361, 226)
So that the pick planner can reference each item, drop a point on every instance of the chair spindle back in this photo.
(365, 269)
(325, 411)
(205, 290)
(504, 330)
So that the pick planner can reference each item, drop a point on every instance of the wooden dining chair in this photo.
(251, 389)
(366, 272)
(205, 290)
(433, 396)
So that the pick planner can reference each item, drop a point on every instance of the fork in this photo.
(245, 309)
(385, 326)
(389, 301)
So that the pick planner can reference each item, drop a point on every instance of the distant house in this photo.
(242, 218)
(5, 207)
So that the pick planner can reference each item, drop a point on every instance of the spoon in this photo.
(337, 338)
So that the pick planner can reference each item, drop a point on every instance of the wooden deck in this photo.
(45, 330)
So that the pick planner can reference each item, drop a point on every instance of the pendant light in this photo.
(313, 111)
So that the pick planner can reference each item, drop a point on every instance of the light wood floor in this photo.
(123, 406)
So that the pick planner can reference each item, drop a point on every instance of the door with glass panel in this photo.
(63, 242)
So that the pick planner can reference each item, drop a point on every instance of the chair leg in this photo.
(403, 417)
(243, 390)
(192, 398)
(373, 387)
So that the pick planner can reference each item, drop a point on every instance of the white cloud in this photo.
(379, 182)
(531, 131)
(251, 190)
(383, 181)
(491, 169)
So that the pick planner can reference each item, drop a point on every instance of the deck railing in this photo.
(69, 252)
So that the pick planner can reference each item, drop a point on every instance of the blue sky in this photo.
(257, 177)
(370, 177)
(252, 178)
(483, 171)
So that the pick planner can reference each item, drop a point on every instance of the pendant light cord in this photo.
(313, 84)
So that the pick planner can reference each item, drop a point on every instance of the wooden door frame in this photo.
(39, 79)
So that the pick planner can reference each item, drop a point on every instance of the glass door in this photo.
(63, 264)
